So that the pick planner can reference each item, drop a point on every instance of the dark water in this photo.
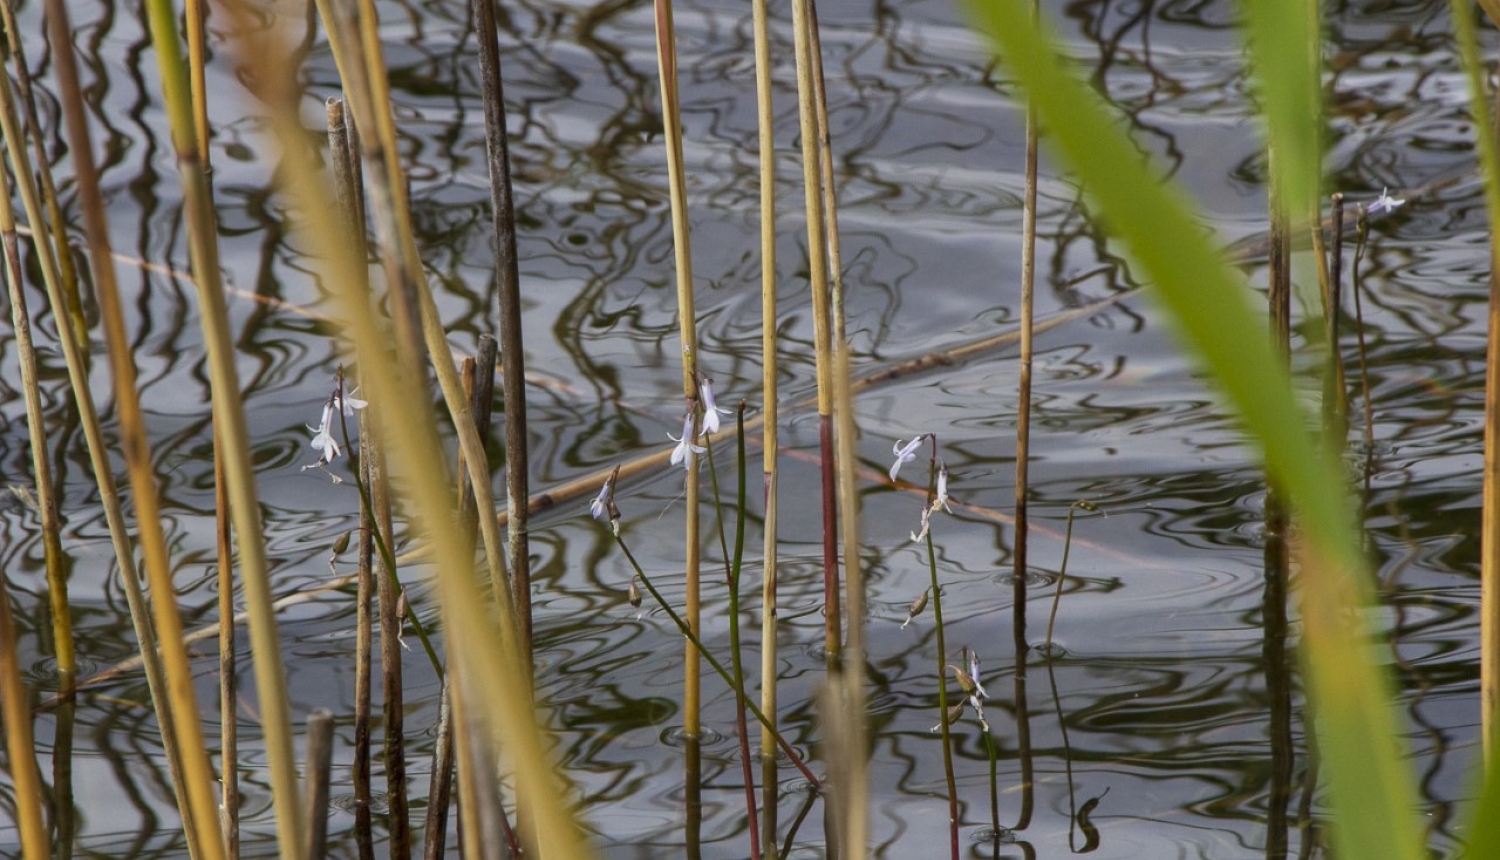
(1162, 680)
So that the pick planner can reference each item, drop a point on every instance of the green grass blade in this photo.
(1370, 786)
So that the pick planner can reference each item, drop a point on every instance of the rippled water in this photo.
(1160, 677)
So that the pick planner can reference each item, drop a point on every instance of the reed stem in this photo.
(765, 123)
(29, 795)
(513, 356)
(1019, 562)
(319, 764)
(229, 417)
(666, 59)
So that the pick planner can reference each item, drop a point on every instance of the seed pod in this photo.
(916, 609)
(342, 544)
(634, 595)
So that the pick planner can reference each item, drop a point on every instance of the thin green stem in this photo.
(718, 667)
(942, 664)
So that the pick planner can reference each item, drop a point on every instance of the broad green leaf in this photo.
(1369, 783)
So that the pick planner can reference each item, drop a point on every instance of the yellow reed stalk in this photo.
(765, 120)
(29, 793)
(853, 788)
(671, 107)
(495, 691)
(178, 709)
(229, 417)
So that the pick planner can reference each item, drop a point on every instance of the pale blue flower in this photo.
(600, 507)
(349, 403)
(323, 434)
(685, 442)
(941, 499)
(1384, 203)
(905, 453)
(711, 410)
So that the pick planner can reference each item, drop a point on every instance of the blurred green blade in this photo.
(1370, 785)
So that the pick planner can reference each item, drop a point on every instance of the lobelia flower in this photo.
(974, 674)
(1384, 203)
(685, 442)
(323, 434)
(349, 403)
(711, 408)
(926, 524)
(599, 506)
(905, 453)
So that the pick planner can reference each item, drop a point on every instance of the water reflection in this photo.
(1169, 676)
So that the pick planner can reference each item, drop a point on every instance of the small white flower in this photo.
(685, 442)
(600, 507)
(905, 453)
(1384, 203)
(941, 499)
(323, 434)
(711, 408)
(349, 403)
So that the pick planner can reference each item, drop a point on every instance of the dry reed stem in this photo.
(28, 793)
(1027, 335)
(229, 417)
(666, 64)
(765, 122)
(229, 724)
(319, 763)
(1489, 597)
(196, 802)
(502, 702)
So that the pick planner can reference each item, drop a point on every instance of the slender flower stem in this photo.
(942, 673)
(1062, 572)
(697, 646)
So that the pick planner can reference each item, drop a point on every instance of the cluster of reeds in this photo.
(396, 346)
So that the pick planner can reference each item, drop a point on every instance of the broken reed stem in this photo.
(1027, 332)
(319, 763)
(513, 355)
(440, 785)
(1335, 387)
(229, 725)
(165, 699)
(817, 260)
(736, 564)
(229, 417)
(765, 122)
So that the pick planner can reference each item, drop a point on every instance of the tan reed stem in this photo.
(854, 770)
(1489, 597)
(165, 697)
(65, 269)
(229, 416)
(666, 64)
(29, 794)
(500, 700)
(817, 253)
(765, 121)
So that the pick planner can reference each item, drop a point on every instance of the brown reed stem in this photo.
(1335, 387)
(440, 786)
(513, 356)
(229, 724)
(388, 593)
(1019, 562)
